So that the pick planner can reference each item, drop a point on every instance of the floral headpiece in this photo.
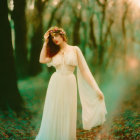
(54, 30)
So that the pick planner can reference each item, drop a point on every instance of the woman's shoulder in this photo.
(74, 47)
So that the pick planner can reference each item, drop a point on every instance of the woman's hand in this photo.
(46, 35)
(100, 95)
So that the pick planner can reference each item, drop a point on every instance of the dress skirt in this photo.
(60, 108)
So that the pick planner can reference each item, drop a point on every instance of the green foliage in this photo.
(127, 125)
(13, 128)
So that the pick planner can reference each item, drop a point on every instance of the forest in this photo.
(107, 32)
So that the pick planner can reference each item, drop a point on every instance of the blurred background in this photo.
(108, 33)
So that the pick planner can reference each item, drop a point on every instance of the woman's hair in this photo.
(51, 47)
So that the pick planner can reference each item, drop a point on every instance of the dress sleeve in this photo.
(93, 109)
(49, 64)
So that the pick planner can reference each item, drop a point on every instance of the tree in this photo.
(9, 93)
(19, 18)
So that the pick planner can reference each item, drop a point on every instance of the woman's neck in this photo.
(63, 45)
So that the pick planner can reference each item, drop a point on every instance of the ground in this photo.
(125, 124)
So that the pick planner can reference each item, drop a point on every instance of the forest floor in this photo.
(125, 125)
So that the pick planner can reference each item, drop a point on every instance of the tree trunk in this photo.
(124, 35)
(36, 40)
(9, 93)
(54, 12)
(93, 40)
(19, 18)
(101, 45)
(76, 30)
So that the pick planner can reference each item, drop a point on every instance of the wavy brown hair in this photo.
(52, 48)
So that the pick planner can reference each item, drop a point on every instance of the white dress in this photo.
(60, 107)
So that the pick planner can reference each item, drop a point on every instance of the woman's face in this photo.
(57, 39)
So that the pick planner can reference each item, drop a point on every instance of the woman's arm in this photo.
(91, 97)
(86, 73)
(82, 67)
(43, 58)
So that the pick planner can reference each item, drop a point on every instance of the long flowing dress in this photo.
(60, 108)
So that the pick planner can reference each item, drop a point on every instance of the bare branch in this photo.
(99, 3)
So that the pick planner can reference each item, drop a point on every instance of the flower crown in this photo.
(56, 30)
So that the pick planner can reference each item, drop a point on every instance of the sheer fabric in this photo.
(93, 110)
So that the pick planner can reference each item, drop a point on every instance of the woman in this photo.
(60, 108)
